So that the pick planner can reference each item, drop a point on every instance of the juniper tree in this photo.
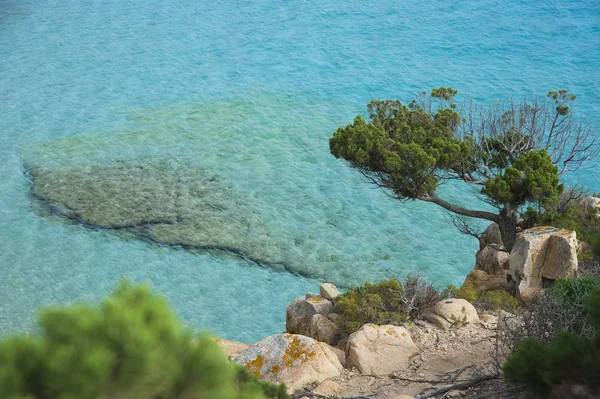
(514, 152)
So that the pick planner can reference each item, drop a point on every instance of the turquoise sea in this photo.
(250, 92)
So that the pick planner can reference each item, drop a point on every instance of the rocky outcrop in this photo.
(323, 329)
(491, 260)
(452, 312)
(300, 312)
(483, 281)
(294, 360)
(380, 350)
(329, 291)
(491, 237)
(231, 348)
(541, 253)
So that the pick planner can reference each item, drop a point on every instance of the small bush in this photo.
(419, 293)
(497, 299)
(568, 358)
(467, 292)
(381, 303)
(560, 308)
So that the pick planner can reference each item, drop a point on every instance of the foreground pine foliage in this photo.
(130, 346)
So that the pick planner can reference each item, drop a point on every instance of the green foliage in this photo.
(573, 216)
(508, 150)
(568, 358)
(249, 381)
(130, 346)
(498, 299)
(405, 144)
(467, 291)
(574, 292)
(381, 303)
(532, 177)
(492, 299)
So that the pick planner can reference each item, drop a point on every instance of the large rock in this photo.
(294, 360)
(541, 253)
(491, 260)
(380, 350)
(231, 348)
(322, 329)
(491, 237)
(329, 291)
(452, 312)
(300, 312)
(341, 354)
(483, 281)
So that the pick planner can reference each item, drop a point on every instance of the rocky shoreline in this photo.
(452, 344)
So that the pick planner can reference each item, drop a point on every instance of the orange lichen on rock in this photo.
(296, 350)
(315, 299)
(275, 369)
(255, 365)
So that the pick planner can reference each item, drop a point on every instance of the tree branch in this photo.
(459, 386)
(432, 197)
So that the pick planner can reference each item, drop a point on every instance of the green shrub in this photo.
(492, 299)
(248, 380)
(573, 216)
(130, 346)
(573, 292)
(497, 299)
(467, 291)
(419, 293)
(381, 303)
(569, 358)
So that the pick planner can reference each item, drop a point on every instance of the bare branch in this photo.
(462, 224)
(432, 197)
(459, 386)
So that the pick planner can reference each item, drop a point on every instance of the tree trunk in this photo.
(508, 226)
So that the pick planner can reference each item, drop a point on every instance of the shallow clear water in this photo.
(252, 92)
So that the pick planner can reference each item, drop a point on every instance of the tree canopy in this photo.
(515, 152)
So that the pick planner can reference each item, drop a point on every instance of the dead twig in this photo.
(318, 395)
(459, 387)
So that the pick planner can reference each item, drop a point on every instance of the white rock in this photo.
(231, 348)
(403, 397)
(452, 312)
(542, 252)
(380, 350)
(294, 360)
(300, 312)
(329, 291)
(341, 355)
